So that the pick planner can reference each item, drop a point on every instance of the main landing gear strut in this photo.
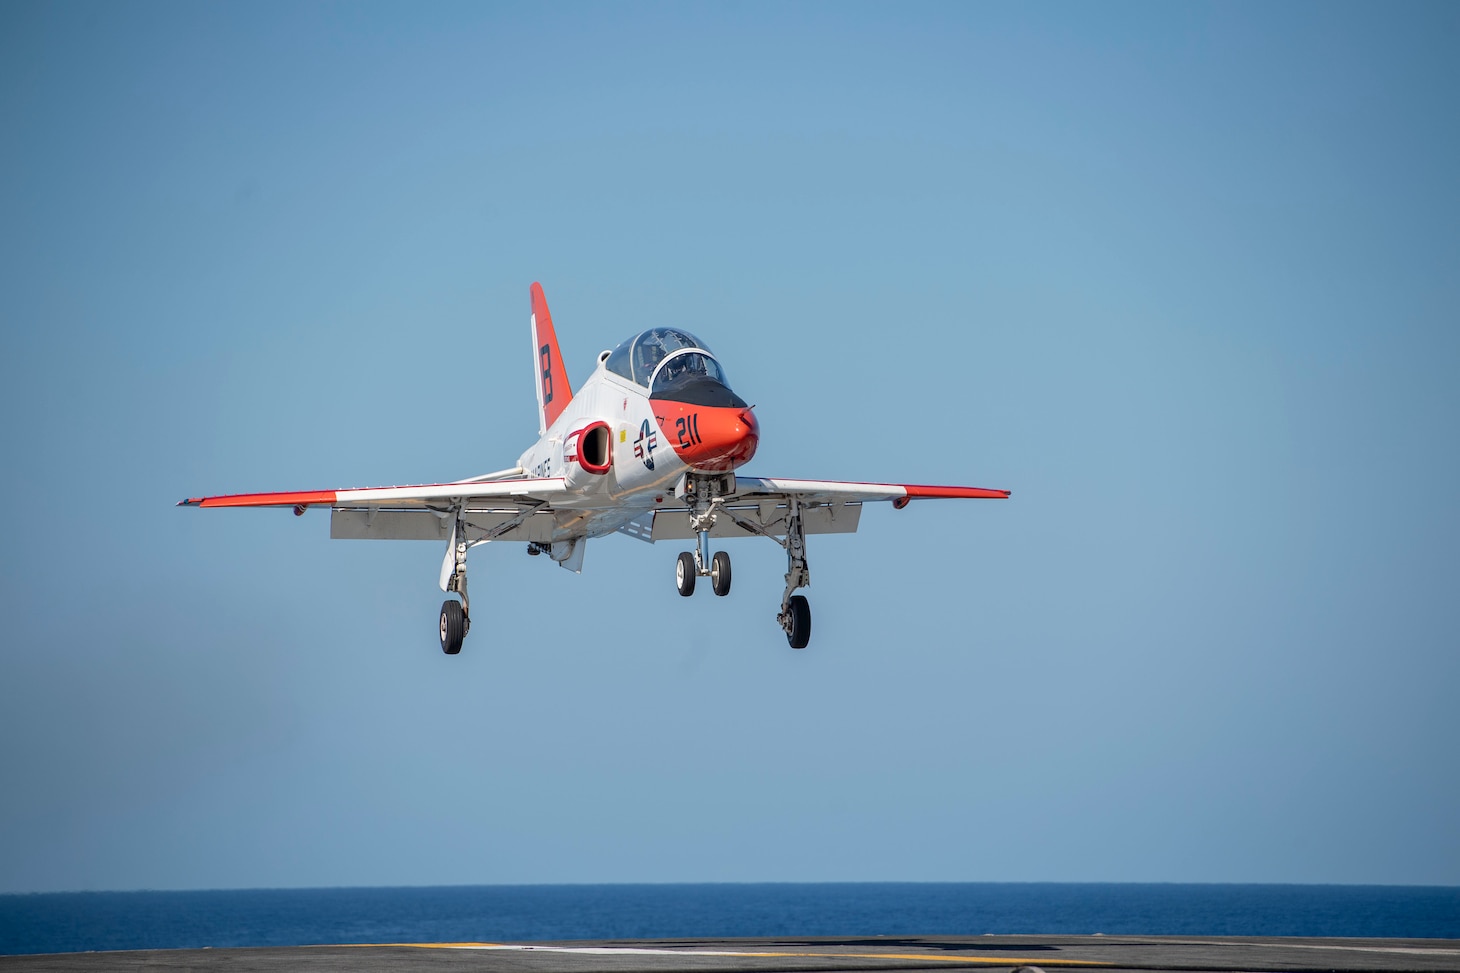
(705, 496)
(456, 615)
(795, 616)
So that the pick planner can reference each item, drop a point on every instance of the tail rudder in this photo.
(553, 391)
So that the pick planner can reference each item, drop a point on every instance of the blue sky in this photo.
(1182, 276)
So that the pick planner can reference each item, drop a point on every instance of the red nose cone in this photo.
(711, 438)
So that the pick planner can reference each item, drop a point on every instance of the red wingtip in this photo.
(263, 499)
(956, 492)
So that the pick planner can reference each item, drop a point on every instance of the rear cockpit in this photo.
(673, 364)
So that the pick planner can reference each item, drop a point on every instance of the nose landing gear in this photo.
(705, 496)
(687, 567)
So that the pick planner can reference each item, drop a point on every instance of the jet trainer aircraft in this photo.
(648, 447)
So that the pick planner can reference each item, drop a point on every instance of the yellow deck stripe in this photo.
(640, 951)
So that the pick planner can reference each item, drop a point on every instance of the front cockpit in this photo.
(693, 377)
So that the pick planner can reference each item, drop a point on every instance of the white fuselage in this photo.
(643, 469)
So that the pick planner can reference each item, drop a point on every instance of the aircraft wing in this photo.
(428, 495)
(518, 509)
(761, 505)
(842, 491)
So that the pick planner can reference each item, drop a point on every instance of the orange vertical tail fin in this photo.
(553, 391)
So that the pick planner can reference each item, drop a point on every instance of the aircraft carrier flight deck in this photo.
(812, 955)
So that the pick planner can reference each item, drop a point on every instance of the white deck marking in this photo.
(1417, 950)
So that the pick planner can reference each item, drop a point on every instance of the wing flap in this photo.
(834, 518)
(370, 523)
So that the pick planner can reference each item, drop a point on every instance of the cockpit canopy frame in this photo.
(639, 357)
(694, 377)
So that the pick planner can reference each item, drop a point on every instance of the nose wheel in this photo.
(687, 568)
(685, 573)
(720, 573)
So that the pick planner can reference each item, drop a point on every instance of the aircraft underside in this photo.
(703, 505)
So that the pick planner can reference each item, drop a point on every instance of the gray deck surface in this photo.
(1048, 953)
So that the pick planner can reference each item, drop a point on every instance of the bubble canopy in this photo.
(690, 371)
(636, 358)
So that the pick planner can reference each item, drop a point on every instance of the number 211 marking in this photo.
(687, 428)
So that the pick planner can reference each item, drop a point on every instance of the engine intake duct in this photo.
(588, 453)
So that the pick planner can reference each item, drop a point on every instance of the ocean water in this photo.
(74, 921)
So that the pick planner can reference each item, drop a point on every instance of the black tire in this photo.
(800, 632)
(720, 573)
(453, 627)
(684, 573)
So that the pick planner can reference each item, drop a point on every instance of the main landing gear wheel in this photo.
(453, 627)
(799, 634)
(720, 573)
(684, 573)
